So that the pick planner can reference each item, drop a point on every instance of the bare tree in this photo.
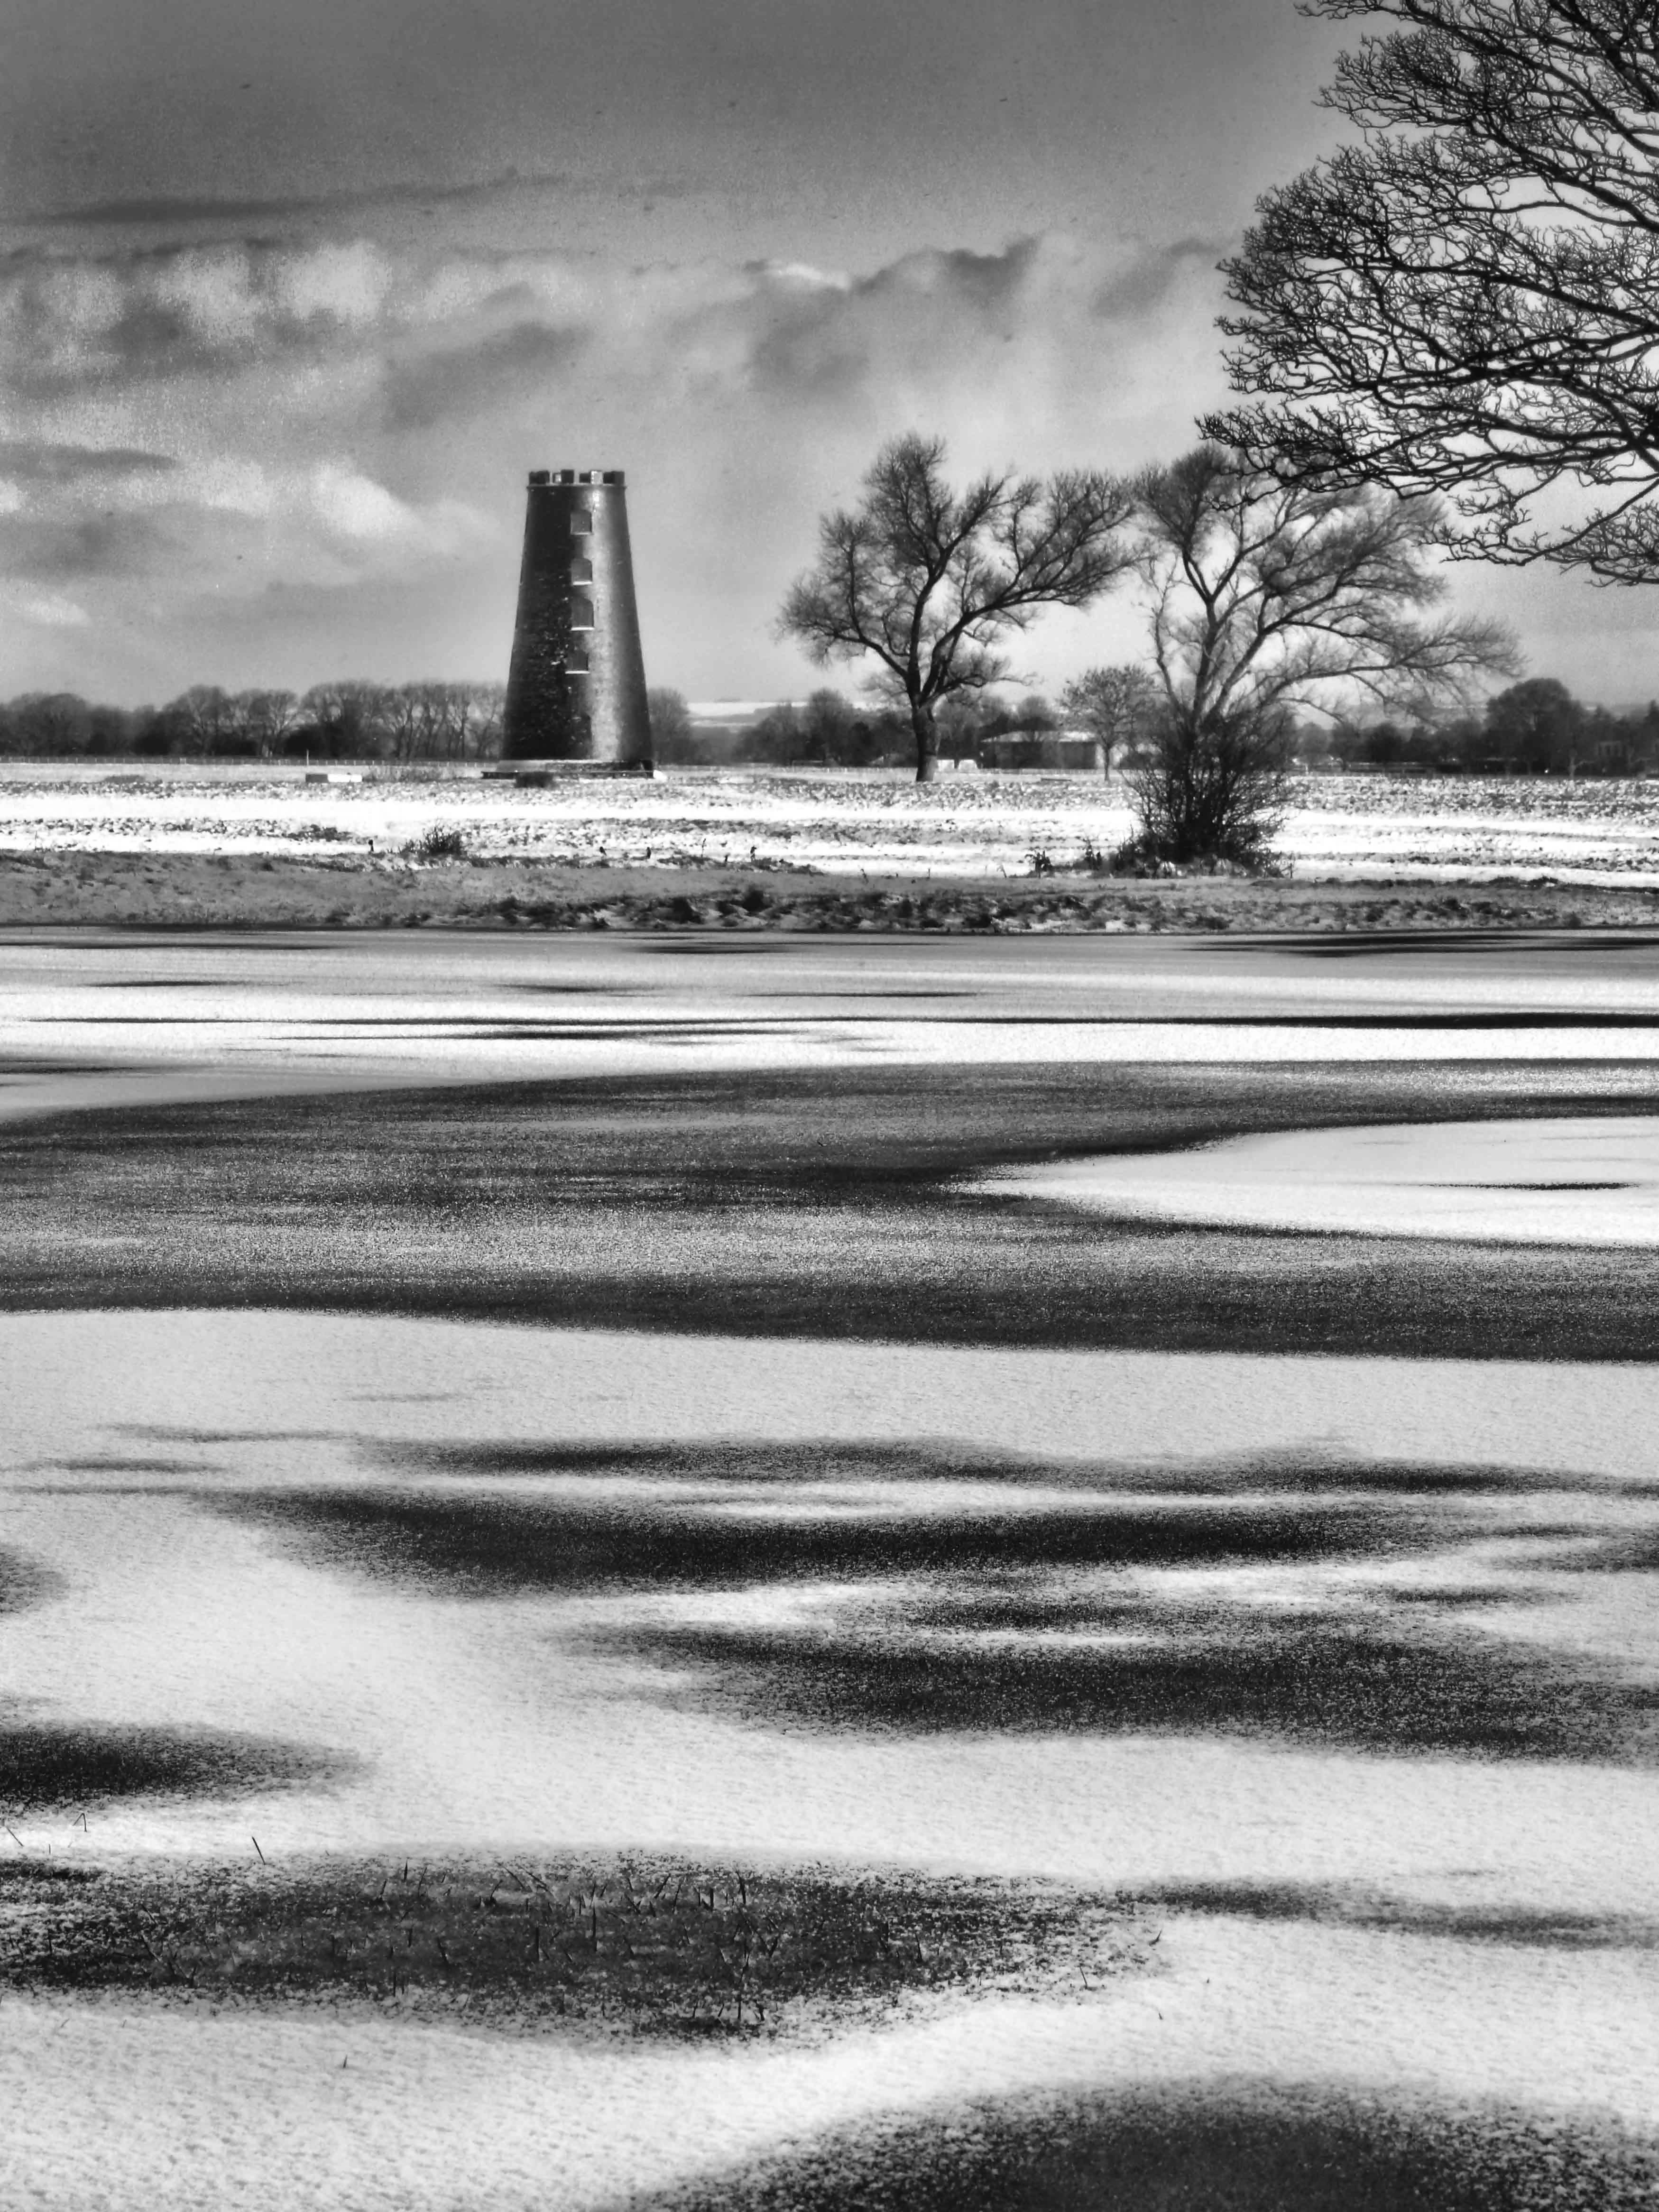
(404, 716)
(962, 722)
(827, 724)
(454, 708)
(928, 582)
(671, 725)
(50, 722)
(1267, 596)
(484, 729)
(206, 717)
(264, 718)
(1538, 724)
(1467, 299)
(671, 718)
(435, 720)
(350, 714)
(1114, 705)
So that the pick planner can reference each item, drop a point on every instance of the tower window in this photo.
(581, 521)
(581, 569)
(575, 660)
(581, 611)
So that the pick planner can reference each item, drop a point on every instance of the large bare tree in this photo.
(1467, 298)
(929, 582)
(1267, 596)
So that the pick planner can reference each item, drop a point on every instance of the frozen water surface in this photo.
(1572, 1181)
(87, 1020)
(209, 1503)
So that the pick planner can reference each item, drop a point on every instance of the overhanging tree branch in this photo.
(1466, 301)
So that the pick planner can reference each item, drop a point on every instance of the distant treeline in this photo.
(1533, 728)
(354, 720)
(827, 730)
(357, 720)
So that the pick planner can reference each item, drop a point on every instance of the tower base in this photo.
(534, 772)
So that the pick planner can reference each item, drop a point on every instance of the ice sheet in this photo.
(1568, 1180)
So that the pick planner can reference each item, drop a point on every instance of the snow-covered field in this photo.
(1344, 828)
(489, 1724)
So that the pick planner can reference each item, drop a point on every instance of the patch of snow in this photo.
(1565, 1181)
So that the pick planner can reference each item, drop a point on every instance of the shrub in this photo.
(444, 841)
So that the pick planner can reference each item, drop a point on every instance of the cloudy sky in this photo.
(292, 294)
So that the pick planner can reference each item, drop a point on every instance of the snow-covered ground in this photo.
(241, 2114)
(484, 1723)
(489, 1723)
(850, 822)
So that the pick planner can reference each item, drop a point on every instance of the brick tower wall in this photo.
(576, 689)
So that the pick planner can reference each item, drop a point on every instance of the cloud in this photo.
(992, 283)
(1154, 274)
(365, 517)
(70, 323)
(44, 609)
(205, 209)
(63, 545)
(423, 389)
(23, 462)
(234, 526)
(250, 433)
(431, 325)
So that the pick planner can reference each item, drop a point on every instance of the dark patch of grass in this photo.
(22, 1876)
(178, 892)
(1631, 1551)
(1007, 1636)
(651, 1946)
(113, 1463)
(159, 1434)
(490, 1541)
(25, 1581)
(1326, 1678)
(46, 1766)
(1238, 2146)
(741, 1462)
(749, 1463)
(1340, 1905)
(1464, 1597)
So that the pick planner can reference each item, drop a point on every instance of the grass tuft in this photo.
(527, 1946)
(443, 840)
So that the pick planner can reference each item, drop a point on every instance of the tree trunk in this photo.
(921, 721)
